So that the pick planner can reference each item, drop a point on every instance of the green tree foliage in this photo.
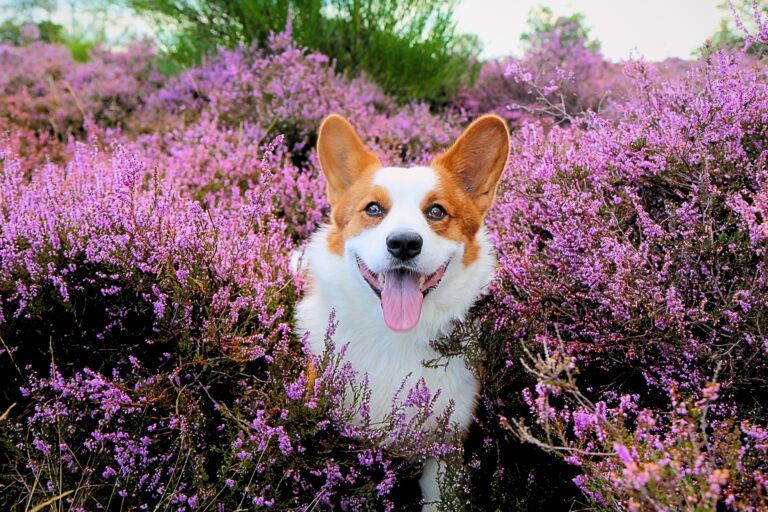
(411, 47)
(13, 32)
(571, 29)
(17, 16)
(728, 35)
(27, 21)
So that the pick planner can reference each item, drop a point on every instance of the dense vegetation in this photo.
(147, 352)
(410, 48)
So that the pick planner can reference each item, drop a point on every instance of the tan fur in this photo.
(348, 167)
(348, 216)
(343, 156)
(468, 174)
(463, 218)
(477, 159)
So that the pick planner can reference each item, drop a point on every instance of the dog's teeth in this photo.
(381, 279)
(422, 280)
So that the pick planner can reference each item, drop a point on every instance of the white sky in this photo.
(653, 29)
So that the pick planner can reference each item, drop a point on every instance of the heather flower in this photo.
(155, 262)
(146, 292)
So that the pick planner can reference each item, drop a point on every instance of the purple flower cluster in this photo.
(691, 455)
(180, 384)
(560, 77)
(48, 98)
(285, 90)
(637, 247)
(146, 298)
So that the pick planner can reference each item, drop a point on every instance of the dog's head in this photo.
(401, 230)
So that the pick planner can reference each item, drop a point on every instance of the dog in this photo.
(403, 259)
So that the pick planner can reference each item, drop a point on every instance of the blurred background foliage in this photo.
(411, 48)
(26, 21)
(728, 35)
(573, 27)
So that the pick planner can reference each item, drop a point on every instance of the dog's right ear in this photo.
(343, 156)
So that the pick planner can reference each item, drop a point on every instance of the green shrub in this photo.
(729, 35)
(20, 32)
(411, 48)
(13, 32)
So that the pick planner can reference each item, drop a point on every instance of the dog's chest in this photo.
(402, 374)
(394, 362)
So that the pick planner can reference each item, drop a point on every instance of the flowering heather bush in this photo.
(638, 249)
(695, 456)
(285, 90)
(45, 92)
(152, 357)
(235, 101)
(205, 160)
(241, 98)
(146, 344)
(146, 308)
(560, 76)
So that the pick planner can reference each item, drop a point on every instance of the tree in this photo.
(570, 30)
(729, 35)
(411, 47)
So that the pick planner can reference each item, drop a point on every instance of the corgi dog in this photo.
(403, 259)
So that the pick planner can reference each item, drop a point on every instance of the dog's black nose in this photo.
(405, 245)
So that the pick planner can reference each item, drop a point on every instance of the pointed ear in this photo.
(477, 159)
(343, 156)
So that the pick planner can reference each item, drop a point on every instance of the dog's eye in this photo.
(374, 210)
(436, 212)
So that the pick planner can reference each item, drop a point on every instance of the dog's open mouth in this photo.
(401, 292)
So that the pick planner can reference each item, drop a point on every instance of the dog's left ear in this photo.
(477, 159)
(343, 156)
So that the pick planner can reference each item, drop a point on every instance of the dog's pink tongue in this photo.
(401, 300)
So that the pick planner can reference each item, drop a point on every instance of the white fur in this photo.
(386, 356)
